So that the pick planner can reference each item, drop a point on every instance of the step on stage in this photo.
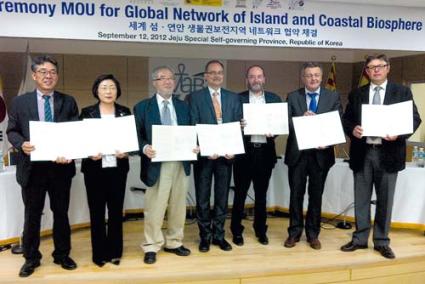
(251, 263)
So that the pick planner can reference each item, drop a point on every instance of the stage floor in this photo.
(251, 263)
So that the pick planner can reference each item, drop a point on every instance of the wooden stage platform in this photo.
(251, 263)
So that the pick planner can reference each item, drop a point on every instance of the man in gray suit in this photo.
(311, 163)
(375, 161)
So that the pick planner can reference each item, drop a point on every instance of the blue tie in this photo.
(47, 110)
(313, 104)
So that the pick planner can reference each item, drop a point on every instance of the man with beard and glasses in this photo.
(255, 165)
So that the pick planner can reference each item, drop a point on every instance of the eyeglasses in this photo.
(163, 79)
(214, 73)
(309, 76)
(44, 72)
(377, 67)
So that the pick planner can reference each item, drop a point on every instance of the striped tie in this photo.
(47, 110)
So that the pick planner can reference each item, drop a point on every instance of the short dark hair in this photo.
(104, 77)
(379, 57)
(311, 65)
(214, 61)
(254, 66)
(41, 59)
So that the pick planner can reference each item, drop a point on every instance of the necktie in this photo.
(313, 104)
(165, 113)
(217, 107)
(47, 110)
(377, 96)
(376, 100)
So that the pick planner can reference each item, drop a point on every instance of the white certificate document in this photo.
(108, 135)
(220, 139)
(319, 130)
(80, 139)
(262, 119)
(383, 120)
(52, 140)
(173, 143)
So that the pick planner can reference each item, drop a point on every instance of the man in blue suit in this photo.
(312, 163)
(167, 182)
(255, 165)
(213, 105)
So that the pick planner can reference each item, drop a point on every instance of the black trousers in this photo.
(253, 167)
(44, 178)
(221, 170)
(106, 189)
(307, 166)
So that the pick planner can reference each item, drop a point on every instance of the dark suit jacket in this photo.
(270, 146)
(297, 106)
(393, 153)
(93, 111)
(202, 109)
(147, 114)
(23, 110)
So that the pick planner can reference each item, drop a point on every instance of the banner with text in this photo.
(271, 23)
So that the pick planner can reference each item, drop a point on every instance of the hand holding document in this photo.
(52, 140)
(319, 130)
(264, 119)
(383, 120)
(220, 139)
(81, 139)
(173, 143)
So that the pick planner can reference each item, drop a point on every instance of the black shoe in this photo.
(238, 240)
(28, 268)
(263, 239)
(385, 251)
(116, 261)
(99, 263)
(222, 244)
(204, 245)
(180, 251)
(352, 247)
(66, 263)
(150, 257)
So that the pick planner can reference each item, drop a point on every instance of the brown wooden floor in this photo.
(252, 263)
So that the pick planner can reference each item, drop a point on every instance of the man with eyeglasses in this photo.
(313, 164)
(255, 165)
(37, 178)
(167, 182)
(375, 161)
(213, 105)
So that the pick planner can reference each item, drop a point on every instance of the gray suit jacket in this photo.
(297, 106)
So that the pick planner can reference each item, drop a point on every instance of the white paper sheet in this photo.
(262, 119)
(220, 139)
(52, 140)
(80, 139)
(383, 120)
(173, 143)
(319, 130)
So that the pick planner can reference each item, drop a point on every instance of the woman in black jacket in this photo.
(105, 178)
